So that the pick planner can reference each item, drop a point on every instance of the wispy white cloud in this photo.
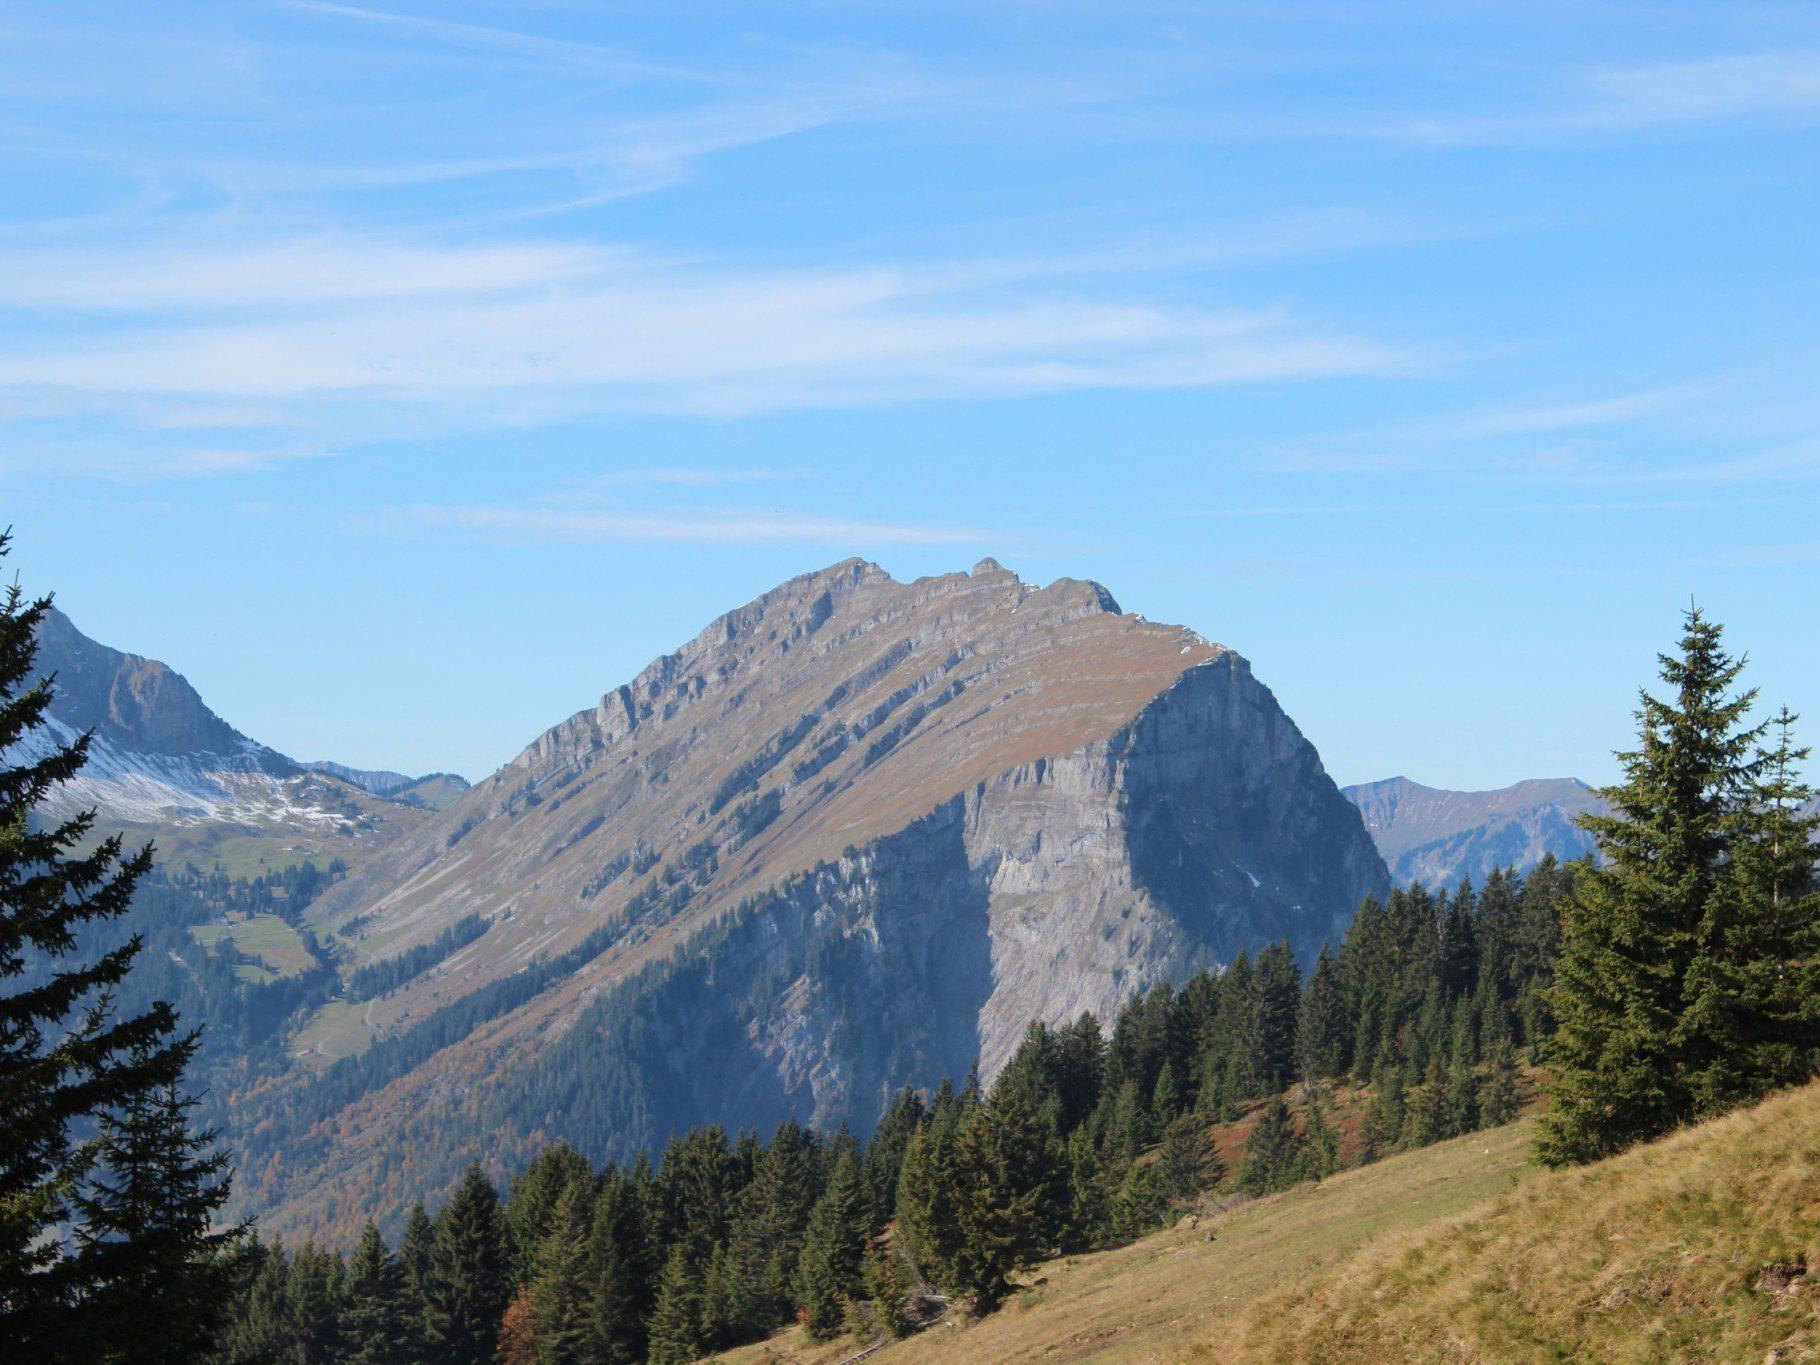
(317, 271)
(729, 527)
(1739, 86)
(483, 330)
(1617, 100)
(1596, 412)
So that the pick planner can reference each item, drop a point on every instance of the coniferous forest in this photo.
(1672, 978)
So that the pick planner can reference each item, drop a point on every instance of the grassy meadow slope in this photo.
(1692, 1248)
(1170, 1294)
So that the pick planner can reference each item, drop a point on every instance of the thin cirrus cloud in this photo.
(299, 325)
(1781, 84)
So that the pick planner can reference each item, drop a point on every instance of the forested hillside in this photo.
(1088, 1139)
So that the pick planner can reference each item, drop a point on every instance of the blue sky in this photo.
(410, 374)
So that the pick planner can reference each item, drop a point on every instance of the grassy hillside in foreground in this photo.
(1165, 1296)
(1692, 1248)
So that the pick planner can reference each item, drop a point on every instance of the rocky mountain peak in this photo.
(854, 834)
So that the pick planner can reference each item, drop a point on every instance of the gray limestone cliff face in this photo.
(1203, 828)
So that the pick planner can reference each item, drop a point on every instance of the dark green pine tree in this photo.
(1139, 1201)
(259, 1328)
(313, 1300)
(1324, 1035)
(1387, 1114)
(1320, 1156)
(887, 1288)
(1013, 1205)
(143, 1230)
(376, 1328)
(1089, 1194)
(1272, 1152)
(62, 1064)
(619, 1262)
(533, 1200)
(928, 1200)
(415, 1249)
(1632, 925)
(1279, 1003)
(560, 1280)
(470, 1281)
(1752, 1021)
(1498, 1105)
(773, 1219)
(1186, 1162)
(676, 1319)
(828, 1272)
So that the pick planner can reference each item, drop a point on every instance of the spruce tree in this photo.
(676, 1319)
(1752, 1021)
(470, 1281)
(928, 1200)
(560, 1281)
(65, 1058)
(160, 1277)
(1387, 1115)
(1324, 1034)
(1272, 1151)
(833, 1249)
(619, 1265)
(1632, 925)
(1089, 1194)
(885, 1285)
(531, 1206)
(1185, 1161)
(773, 1218)
(416, 1246)
(313, 1292)
(375, 1326)
(1498, 1105)
(1013, 1194)
(1139, 1201)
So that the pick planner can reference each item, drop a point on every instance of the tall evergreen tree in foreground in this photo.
(1668, 994)
(162, 1275)
(68, 1062)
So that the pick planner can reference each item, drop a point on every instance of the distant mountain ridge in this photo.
(854, 835)
(432, 790)
(1438, 837)
(164, 766)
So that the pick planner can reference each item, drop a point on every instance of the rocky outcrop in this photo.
(1439, 838)
(855, 835)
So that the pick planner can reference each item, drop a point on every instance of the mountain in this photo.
(854, 835)
(432, 790)
(163, 766)
(1438, 837)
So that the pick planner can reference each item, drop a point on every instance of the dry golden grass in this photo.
(1657, 1255)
